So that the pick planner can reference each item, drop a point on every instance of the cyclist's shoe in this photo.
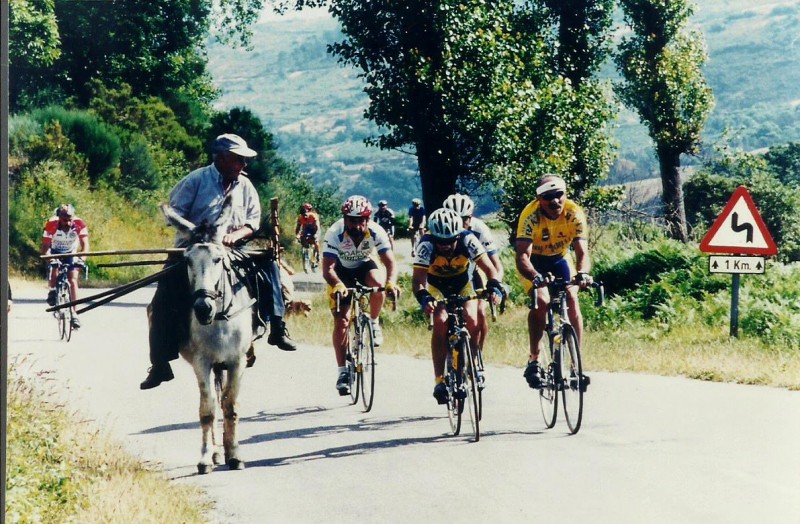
(481, 379)
(440, 393)
(250, 356)
(51, 298)
(532, 375)
(377, 332)
(75, 323)
(157, 374)
(585, 383)
(343, 383)
(279, 336)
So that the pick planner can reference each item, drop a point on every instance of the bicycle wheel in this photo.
(548, 393)
(68, 328)
(471, 385)
(365, 364)
(352, 358)
(480, 375)
(572, 378)
(306, 260)
(454, 406)
(64, 323)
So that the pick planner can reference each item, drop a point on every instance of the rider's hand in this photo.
(339, 289)
(495, 289)
(392, 290)
(540, 280)
(426, 300)
(584, 280)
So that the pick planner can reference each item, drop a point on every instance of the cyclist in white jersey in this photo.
(347, 258)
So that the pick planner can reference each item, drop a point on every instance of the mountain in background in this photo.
(314, 106)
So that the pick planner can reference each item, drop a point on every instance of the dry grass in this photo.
(61, 469)
(699, 352)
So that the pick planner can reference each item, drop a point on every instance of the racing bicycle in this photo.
(560, 366)
(310, 254)
(463, 366)
(360, 356)
(63, 314)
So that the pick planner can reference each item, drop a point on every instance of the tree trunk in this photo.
(437, 175)
(672, 193)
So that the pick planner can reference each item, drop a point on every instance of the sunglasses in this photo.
(444, 241)
(552, 195)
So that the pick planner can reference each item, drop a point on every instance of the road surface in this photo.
(651, 449)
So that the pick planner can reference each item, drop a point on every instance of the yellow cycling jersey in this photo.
(552, 237)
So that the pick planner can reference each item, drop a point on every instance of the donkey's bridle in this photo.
(224, 312)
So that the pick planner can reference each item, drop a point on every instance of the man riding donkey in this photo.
(199, 198)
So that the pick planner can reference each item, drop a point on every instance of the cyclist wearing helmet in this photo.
(416, 221)
(307, 228)
(548, 227)
(441, 268)
(464, 206)
(384, 216)
(65, 233)
(347, 258)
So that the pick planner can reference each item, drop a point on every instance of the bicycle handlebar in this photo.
(560, 283)
(360, 290)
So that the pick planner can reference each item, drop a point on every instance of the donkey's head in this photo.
(206, 259)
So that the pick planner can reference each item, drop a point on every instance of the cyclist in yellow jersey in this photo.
(548, 227)
(441, 266)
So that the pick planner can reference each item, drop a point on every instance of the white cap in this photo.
(234, 144)
(553, 184)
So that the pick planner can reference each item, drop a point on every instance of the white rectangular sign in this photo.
(735, 264)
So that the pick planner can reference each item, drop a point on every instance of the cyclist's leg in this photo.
(74, 272)
(374, 276)
(341, 318)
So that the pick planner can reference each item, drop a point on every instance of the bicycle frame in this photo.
(460, 366)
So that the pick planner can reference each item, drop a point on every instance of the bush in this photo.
(92, 138)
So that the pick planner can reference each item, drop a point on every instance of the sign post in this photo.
(738, 230)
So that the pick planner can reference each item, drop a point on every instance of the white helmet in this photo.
(357, 206)
(445, 223)
(461, 204)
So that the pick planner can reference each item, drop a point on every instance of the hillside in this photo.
(315, 106)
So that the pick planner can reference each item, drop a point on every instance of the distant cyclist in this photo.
(416, 221)
(441, 268)
(65, 233)
(347, 258)
(307, 229)
(548, 227)
(464, 206)
(384, 216)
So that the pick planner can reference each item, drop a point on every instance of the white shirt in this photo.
(339, 245)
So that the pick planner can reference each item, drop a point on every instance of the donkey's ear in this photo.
(175, 220)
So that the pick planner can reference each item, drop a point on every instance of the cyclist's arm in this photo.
(45, 249)
(387, 258)
(84, 244)
(583, 263)
(329, 271)
(524, 249)
(419, 284)
(297, 228)
(498, 265)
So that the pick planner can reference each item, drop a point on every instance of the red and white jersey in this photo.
(339, 245)
(65, 241)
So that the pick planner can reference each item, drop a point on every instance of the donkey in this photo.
(220, 332)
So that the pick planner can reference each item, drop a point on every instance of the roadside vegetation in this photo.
(61, 468)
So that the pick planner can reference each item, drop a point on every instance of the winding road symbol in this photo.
(738, 228)
(739, 216)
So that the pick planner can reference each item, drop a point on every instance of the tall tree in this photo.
(661, 65)
(582, 33)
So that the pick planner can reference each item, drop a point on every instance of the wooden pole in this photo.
(169, 251)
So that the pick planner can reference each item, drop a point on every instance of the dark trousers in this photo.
(169, 313)
(263, 278)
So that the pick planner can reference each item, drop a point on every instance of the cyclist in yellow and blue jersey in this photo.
(549, 227)
(441, 265)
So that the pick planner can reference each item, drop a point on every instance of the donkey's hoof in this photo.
(204, 469)
(216, 458)
(236, 464)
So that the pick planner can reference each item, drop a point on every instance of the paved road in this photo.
(651, 449)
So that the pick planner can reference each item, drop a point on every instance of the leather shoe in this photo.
(250, 356)
(282, 341)
(157, 374)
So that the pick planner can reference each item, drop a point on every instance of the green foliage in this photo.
(93, 139)
(785, 163)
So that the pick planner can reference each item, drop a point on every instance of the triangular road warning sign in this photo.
(739, 229)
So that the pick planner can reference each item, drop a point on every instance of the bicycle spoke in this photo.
(366, 363)
(572, 379)
(548, 394)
